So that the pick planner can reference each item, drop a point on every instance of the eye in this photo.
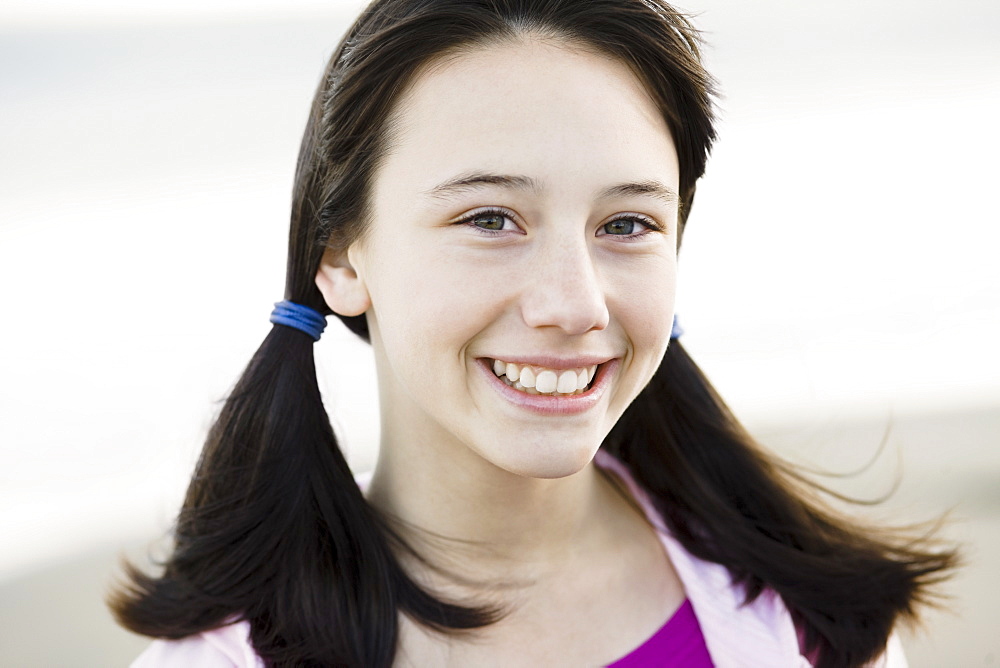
(628, 227)
(620, 226)
(490, 221)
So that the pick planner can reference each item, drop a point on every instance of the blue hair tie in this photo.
(299, 317)
(676, 331)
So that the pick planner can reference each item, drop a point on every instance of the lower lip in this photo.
(570, 404)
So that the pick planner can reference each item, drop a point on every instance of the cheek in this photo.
(433, 303)
(644, 306)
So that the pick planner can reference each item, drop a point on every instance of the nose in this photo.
(565, 291)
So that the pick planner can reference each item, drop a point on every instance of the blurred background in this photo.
(839, 277)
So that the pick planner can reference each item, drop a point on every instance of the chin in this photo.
(549, 463)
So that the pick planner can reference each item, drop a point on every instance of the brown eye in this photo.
(620, 227)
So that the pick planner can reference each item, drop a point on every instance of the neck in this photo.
(487, 521)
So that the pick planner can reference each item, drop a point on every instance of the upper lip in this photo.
(555, 361)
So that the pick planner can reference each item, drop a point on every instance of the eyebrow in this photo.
(652, 188)
(467, 182)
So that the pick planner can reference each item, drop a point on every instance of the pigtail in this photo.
(274, 530)
(728, 502)
(249, 523)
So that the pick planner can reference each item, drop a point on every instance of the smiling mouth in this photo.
(541, 380)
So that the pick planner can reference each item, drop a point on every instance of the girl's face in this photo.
(525, 217)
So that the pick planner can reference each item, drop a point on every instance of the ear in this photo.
(342, 289)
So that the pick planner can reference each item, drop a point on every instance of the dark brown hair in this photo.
(274, 529)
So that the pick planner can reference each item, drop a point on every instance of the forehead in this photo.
(544, 108)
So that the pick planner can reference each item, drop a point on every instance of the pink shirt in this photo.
(736, 635)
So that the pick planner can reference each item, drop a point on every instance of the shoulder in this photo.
(762, 628)
(732, 628)
(225, 647)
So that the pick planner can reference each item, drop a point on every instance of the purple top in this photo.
(679, 642)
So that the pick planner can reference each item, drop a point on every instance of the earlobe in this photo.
(342, 289)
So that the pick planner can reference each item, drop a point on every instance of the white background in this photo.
(839, 273)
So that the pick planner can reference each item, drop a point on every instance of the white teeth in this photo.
(546, 382)
(513, 372)
(566, 383)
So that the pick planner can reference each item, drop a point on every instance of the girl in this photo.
(493, 193)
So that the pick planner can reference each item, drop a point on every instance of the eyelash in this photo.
(633, 218)
(469, 220)
(490, 211)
